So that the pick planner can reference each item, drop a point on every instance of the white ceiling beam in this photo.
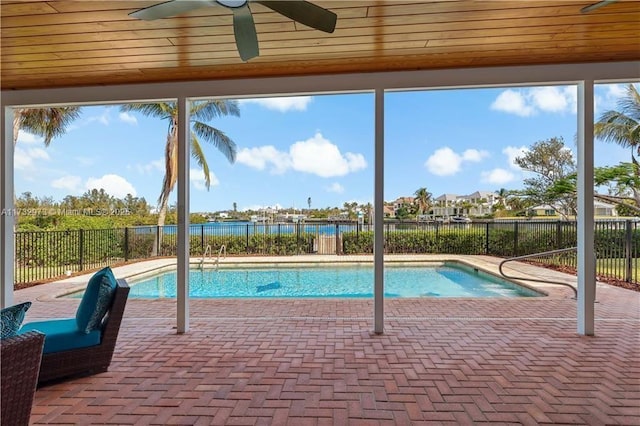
(602, 72)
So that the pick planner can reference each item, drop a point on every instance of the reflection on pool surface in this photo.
(331, 281)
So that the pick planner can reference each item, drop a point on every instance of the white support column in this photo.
(7, 219)
(184, 138)
(586, 246)
(378, 213)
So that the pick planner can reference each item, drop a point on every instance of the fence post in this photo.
(126, 244)
(486, 240)
(515, 238)
(81, 248)
(278, 240)
(628, 252)
(202, 238)
(559, 234)
(337, 238)
(247, 243)
(159, 247)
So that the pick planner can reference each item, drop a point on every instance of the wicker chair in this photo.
(93, 359)
(20, 359)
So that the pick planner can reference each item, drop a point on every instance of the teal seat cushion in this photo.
(12, 317)
(63, 335)
(96, 300)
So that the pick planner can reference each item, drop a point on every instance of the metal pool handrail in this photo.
(528, 256)
(206, 250)
(223, 249)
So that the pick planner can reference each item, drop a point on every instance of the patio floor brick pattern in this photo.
(317, 362)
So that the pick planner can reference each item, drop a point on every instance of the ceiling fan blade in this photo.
(304, 12)
(168, 9)
(245, 31)
(597, 5)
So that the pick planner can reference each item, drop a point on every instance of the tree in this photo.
(46, 122)
(621, 179)
(550, 161)
(235, 207)
(309, 203)
(200, 112)
(423, 200)
(623, 127)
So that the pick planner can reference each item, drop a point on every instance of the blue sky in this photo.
(292, 148)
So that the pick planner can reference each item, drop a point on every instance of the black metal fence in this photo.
(44, 255)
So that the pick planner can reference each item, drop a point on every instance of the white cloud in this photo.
(28, 138)
(70, 183)
(608, 95)
(103, 118)
(315, 155)
(196, 177)
(319, 156)
(23, 159)
(282, 104)
(512, 102)
(263, 156)
(512, 153)
(148, 168)
(335, 187)
(128, 118)
(531, 101)
(616, 91)
(497, 176)
(555, 98)
(474, 155)
(446, 162)
(114, 185)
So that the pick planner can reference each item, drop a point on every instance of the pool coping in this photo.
(486, 264)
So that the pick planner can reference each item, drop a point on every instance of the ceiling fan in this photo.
(243, 26)
(596, 5)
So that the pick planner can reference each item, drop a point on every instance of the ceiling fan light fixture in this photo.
(232, 4)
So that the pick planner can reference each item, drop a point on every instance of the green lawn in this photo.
(617, 267)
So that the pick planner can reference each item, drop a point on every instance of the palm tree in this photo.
(200, 112)
(423, 200)
(309, 203)
(45, 122)
(623, 127)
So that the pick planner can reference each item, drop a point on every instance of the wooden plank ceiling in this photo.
(72, 43)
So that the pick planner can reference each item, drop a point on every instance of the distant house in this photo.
(603, 209)
(445, 205)
(600, 209)
(482, 202)
(401, 202)
(543, 210)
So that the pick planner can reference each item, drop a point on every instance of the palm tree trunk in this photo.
(162, 215)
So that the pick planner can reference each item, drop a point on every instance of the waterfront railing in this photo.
(45, 255)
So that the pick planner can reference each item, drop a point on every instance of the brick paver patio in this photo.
(315, 362)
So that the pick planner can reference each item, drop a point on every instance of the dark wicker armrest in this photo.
(20, 360)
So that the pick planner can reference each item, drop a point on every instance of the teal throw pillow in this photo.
(12, 318)
(96, 300)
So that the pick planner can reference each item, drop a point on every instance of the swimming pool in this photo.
(332, 281)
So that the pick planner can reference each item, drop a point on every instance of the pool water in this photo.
(354, 281)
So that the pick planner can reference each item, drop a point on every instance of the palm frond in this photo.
(217, 138)
(47, 122)
(161, 110)
(210, 109)
(198, 155)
